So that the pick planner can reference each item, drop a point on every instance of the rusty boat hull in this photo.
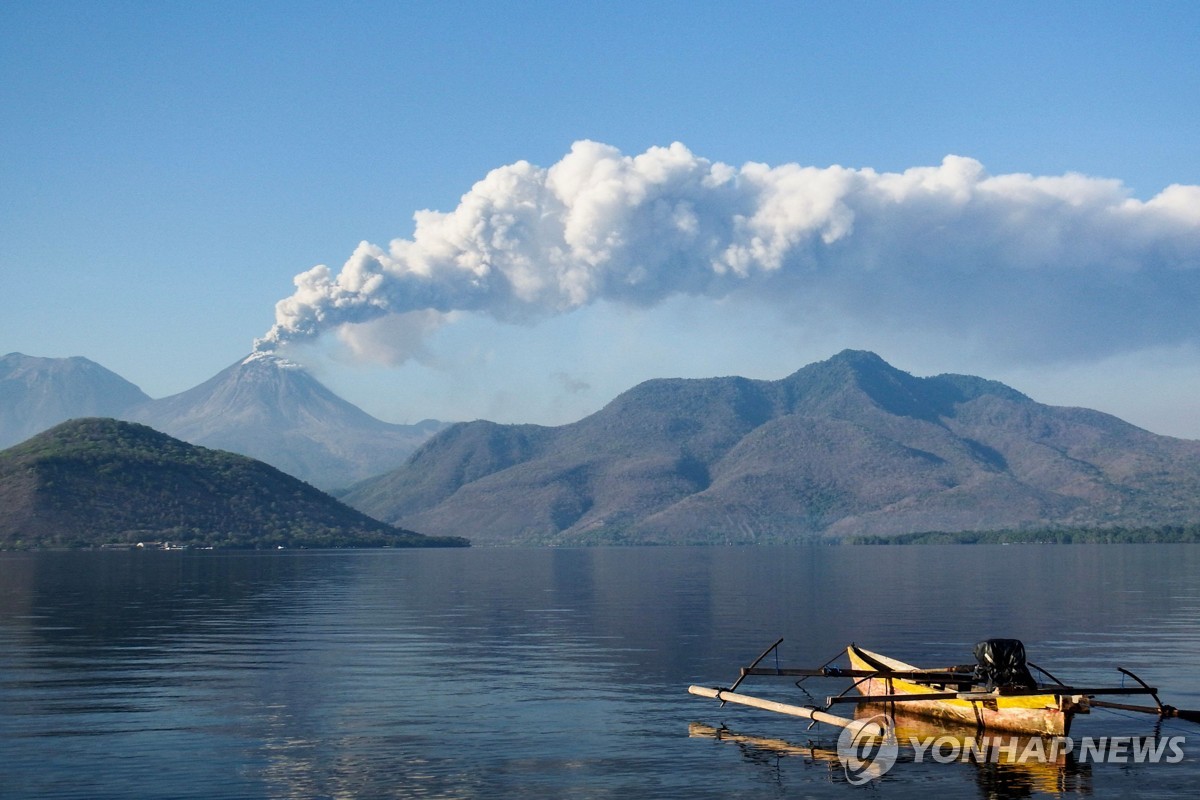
(1036, 714)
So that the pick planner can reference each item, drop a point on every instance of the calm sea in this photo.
(546, 673)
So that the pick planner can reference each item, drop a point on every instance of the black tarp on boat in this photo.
(1001, 662)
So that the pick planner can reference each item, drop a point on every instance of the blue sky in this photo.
(169, 168)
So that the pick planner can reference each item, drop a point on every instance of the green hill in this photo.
(92, 482)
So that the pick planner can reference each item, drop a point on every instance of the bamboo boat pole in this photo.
(1164, 711)
(859, 726)
(1160, 708)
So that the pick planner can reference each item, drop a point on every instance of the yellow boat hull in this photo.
(1046, 714)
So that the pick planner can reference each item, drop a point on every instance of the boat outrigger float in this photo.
(998, 692)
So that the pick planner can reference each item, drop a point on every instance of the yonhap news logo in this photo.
(865, 752)
(868, 751)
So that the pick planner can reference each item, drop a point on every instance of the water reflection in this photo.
(1001, 770)
(547, 673)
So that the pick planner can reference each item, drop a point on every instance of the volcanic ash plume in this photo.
(1047, 263)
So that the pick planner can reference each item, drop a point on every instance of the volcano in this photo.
(274, 410)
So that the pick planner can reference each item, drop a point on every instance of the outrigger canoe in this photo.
(996, 693)
(1018, 709)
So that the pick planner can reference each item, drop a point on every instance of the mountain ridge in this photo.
(38, 393)
(846, 446)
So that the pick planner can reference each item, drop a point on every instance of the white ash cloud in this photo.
(1042, 267)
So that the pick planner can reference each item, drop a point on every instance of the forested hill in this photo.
(91, 482)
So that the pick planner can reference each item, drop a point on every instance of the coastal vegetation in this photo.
(1118, 534)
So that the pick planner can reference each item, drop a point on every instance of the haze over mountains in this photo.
(846, 446)
(38, 393)
(274, 410)
(263, 406)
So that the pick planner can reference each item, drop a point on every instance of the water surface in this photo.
(546, 672)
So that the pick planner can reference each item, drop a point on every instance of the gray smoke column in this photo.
(1046, 266)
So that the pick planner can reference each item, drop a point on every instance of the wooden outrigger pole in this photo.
(1160, 708)
(865, 727)
(731, 696)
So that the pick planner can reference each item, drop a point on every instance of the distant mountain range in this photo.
(94, 482)
(262, 406)
(846, 446)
